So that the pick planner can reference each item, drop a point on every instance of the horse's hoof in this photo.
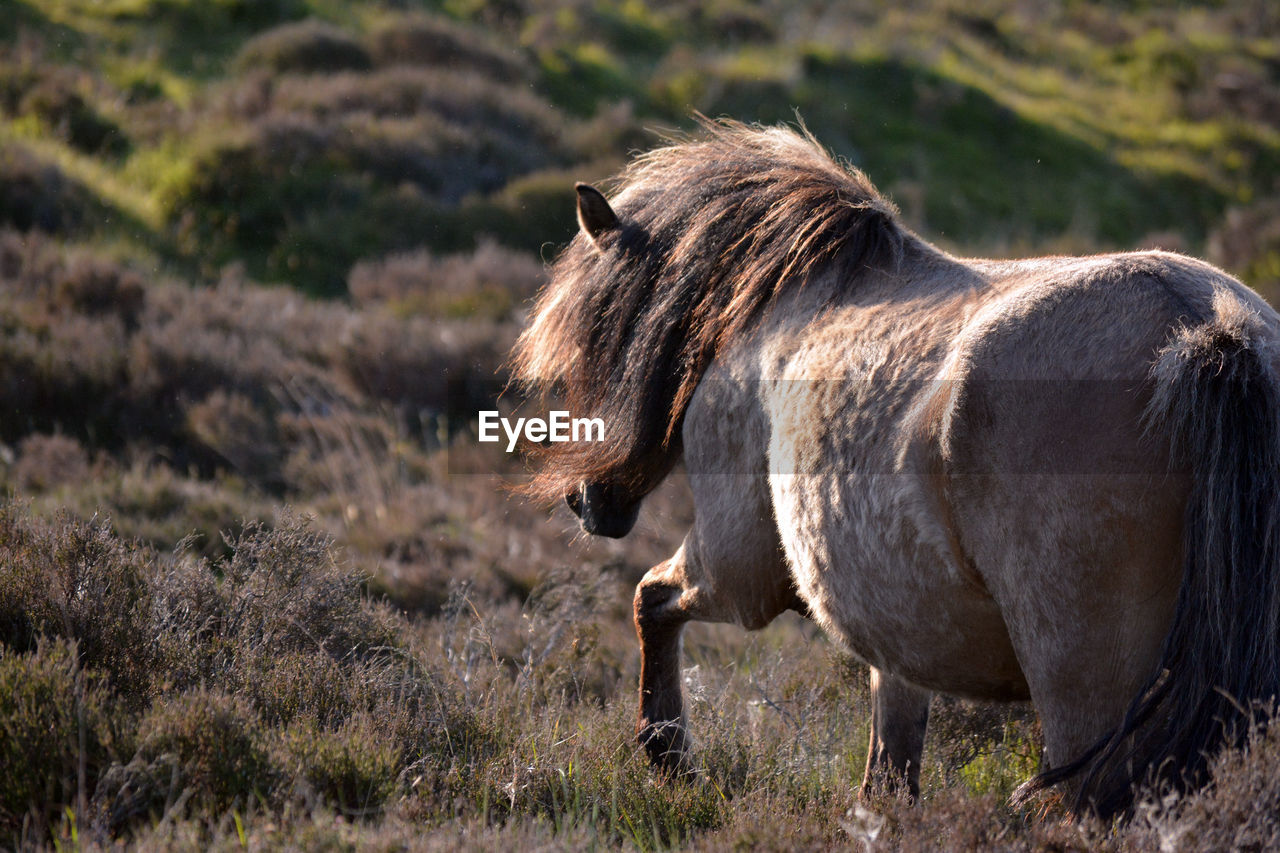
(666, 744)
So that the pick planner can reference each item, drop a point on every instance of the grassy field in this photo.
(259, 589)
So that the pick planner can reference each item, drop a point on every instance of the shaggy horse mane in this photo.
(711, 231)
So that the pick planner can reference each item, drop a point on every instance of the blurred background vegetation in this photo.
(300, 137)
(252, 254)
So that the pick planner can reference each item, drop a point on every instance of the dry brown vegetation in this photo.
(407, 656)
(258, 588)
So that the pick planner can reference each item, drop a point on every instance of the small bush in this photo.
(93, 285)
(306, 46)
(733, 22)
(384, 357)
(47, 461)
(53, 717)
(433, 41)
(57, 102)
(532, 213)
(37, 195)
(75, 580)
(290, 685)
(241, 432)
(209, 17)
(150, 502)
(491, 282)
(216, 744)
(1247, 242)
(288, 593)
(322, 172)
(352, 768)
(581, 77)
(1236, 812)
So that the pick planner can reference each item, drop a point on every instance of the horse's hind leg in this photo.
(899, 716)
(682, 590)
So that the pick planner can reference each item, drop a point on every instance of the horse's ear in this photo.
(594, 213)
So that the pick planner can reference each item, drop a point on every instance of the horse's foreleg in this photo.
(747, 585)
(661, 611)
(899, 716)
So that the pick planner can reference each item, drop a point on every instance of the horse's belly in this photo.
(877, 580)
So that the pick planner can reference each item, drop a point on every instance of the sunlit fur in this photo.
(711, 232)
(1055, 479)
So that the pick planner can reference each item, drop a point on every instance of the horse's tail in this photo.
(1217, 397)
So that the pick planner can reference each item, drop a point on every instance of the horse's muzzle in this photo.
(601, 512)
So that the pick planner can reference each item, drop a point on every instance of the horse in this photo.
(1051, 479)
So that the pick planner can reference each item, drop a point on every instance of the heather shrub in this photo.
(955, 820)
(733, 21)
(56, 100)
(230, 337)
(491, 282)
(216, 744)
(280, 593)
(353, 767)
(287, 592)
(582, 77)
(77, 581)
(27, 261)
(37, 195)
(47, 461)
(455, 96)
(96, 286)
(55, 719)
(434, 41)
(50, 364)
(243, 433)
(52, 357)
(189, 615)
(529, 212)
(990, 748)
(427, 366)
(318, 250)
(309, 685)
(185, 24)
(262, 679)
(16, 79)
(323, 172)
(1237, 811)
(140, 791)
(305, 46)
(225, 379)
(148, 501)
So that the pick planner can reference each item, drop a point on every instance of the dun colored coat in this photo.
(1052, 479)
